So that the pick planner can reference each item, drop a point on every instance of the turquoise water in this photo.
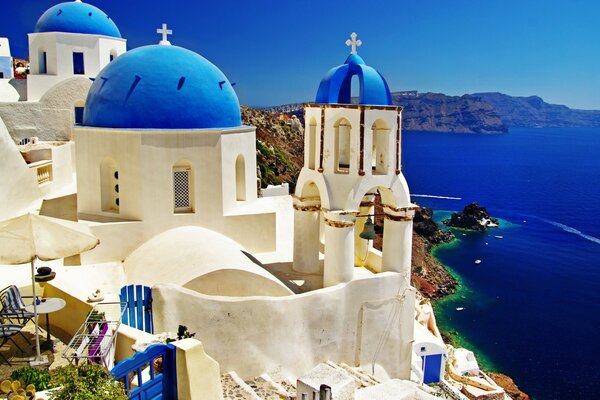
(532, 306)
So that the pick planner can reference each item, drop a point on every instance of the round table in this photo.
(47, 306)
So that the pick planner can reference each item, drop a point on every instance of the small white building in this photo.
(70, 39)
(6, 61)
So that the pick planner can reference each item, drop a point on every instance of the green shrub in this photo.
(40, 378)
(86, 382)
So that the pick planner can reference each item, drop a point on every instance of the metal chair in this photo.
(13, 309)
(7, 331)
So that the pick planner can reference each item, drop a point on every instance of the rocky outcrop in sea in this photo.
(472, 217)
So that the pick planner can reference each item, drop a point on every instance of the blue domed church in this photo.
(161, 148)
(70, 39)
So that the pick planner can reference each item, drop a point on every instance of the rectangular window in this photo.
(78, 66)
(43, 63)
(181, 189)
(1, 75)
(79, 115)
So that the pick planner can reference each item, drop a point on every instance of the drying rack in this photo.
(95, 339)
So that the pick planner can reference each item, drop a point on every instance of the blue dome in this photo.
(77, 17)
(162, 87)
(335, 88)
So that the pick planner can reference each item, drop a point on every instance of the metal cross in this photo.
(354, 43)
(165, 32)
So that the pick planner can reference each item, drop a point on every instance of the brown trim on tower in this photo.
(361, 167)
(399, 218)
(322, 144)
(398, 145)
(339, 224)
(307, 208)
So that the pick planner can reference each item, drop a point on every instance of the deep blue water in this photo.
(532, 307)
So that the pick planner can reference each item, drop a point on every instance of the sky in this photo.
(277, 51)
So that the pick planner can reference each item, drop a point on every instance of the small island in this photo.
(472, 217)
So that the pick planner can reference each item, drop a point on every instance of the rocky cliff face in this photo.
(436, 112)
(472, 217)
(533, 112)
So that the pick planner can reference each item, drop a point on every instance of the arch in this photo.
(313, 185)
(183, 187)
(380, 138)
(343, 129)
(240, 178)
(113, 54)
(312, 142)
(394, 193)
(109, 185)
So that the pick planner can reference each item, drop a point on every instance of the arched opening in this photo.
(109, 185)
(78, 110)
(342, 146)
(355, 90)
(380, 159)
(113, 55)
(183, 201)
(240, 178)
(312, 142)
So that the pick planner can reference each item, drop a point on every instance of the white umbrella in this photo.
(31, 236)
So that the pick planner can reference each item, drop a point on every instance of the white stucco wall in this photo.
(52, 118)
(201, 260)
(145, 160)
(287, 336)
(59, 48)
(19, 188)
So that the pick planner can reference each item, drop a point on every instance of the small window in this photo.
(1, 75)
(112, 57)
(78, 64)
(43, 63)
(79, 115)
(182, 182)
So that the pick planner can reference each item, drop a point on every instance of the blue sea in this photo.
(532, 306)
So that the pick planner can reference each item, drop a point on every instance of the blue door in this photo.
(432, 365)
(152, 385)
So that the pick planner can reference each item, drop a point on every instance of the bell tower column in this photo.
(397, 242)
(306, 235)
(339, 247)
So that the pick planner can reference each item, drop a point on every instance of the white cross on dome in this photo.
(165, 32)
(354, 43)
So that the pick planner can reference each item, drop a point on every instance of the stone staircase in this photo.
(266, 388)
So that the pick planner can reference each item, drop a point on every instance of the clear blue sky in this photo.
(277, 51)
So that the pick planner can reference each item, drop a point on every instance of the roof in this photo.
(162, 87)
(77, 17)
(336, 86)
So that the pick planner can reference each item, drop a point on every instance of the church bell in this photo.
(368, 232)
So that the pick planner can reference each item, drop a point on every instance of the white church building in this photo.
(163, 171)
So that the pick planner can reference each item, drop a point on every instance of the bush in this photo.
(40, 378)
(86, 382)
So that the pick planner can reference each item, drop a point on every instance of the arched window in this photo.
(312, 142)
(183, 201)
(355, 90)
(380, 160)
(342, 146)
(113, 55)
(109, 185)
(240, 178)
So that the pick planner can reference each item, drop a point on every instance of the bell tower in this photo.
(352, 152)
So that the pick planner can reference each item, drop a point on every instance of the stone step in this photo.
(234, 388)
(267, 389)
(361, 378)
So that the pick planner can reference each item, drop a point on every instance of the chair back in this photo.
(11, 299)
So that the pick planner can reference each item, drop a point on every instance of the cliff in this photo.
(533, 112)
(436, 112)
